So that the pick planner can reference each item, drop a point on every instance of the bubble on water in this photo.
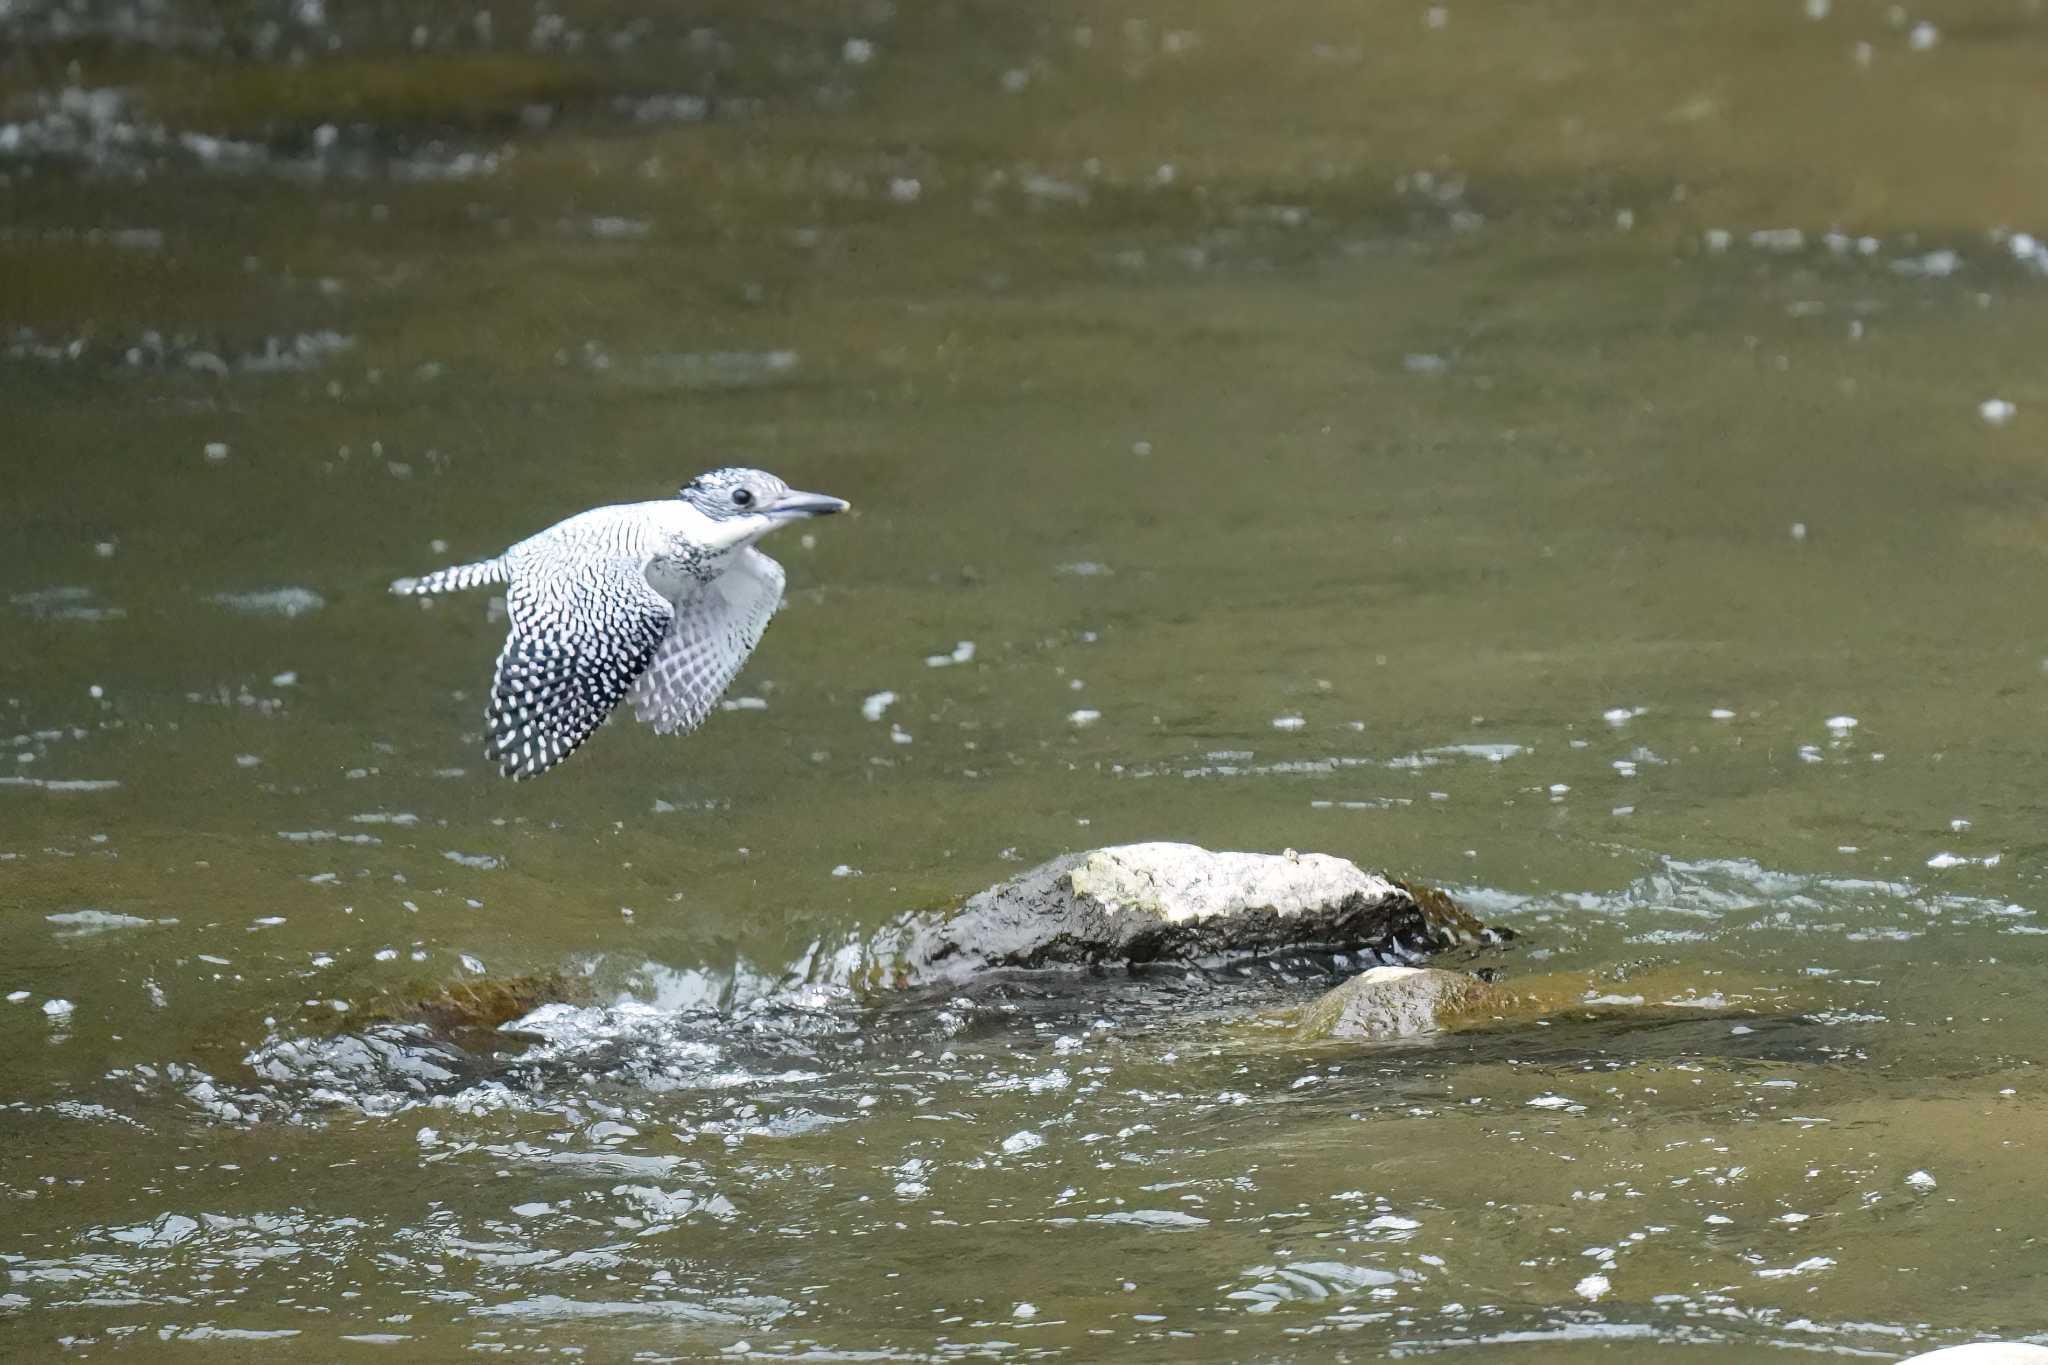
(1593, 1288)
(58, 1008)
(1020, 1142)
(1721, 713)
(1083, 717)
(1805, 1267)
(1923, 37)
(616, 229)
(877, 704)
(287, 602)
(1996, 411)
(81, 923)
(66, 603)
(1944, 860)
(1288, 722)
(1150, 1218)
(1934, 265)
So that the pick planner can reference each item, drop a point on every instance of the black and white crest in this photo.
(734, 491)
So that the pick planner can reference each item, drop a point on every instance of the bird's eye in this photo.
(743, 497)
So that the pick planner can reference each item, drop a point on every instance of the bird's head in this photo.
(743, 505)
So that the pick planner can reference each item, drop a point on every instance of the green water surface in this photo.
(1535, 447)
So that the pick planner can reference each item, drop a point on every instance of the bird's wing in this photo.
(715, 629)
(579, 641)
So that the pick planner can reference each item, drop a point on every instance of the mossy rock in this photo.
(1133, 905)
(472, 1005)
(1446, 917)
(1387, 1003)
(1383, 1004)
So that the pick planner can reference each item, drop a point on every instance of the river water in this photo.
(1585, 455)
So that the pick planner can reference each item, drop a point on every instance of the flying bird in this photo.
(658, 601)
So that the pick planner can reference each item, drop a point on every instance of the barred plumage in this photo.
(660, 600)
(455, 579)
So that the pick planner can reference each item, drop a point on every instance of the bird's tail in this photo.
(453, 579)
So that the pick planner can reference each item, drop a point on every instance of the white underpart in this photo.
(716, 627)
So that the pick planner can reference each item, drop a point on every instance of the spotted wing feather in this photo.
(715, 628)
(577, 646)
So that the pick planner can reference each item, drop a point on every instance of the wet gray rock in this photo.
(1387, 1003)
(1135, 904)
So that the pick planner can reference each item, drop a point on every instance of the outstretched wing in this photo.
(579, 641)
(714, 630)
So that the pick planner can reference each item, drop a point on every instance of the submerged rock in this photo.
(451, 1008)
(1404, 1002)
(1385, 1003)
(1135, 904)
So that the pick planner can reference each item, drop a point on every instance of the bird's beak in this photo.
(795, 504)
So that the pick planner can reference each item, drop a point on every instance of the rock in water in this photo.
(1139, 903)
(1385, 1003)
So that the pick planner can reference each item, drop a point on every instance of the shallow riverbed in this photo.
(1583, 455)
